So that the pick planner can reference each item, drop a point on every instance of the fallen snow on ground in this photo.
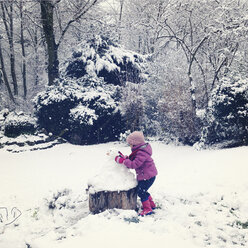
(201, 196)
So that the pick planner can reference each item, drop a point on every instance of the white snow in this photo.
(201, 196)
(17, 118)
(23, 138)
(200, 113)
(84, 114)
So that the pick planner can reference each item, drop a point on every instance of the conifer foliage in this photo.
(227, 116)
(84, 105)
(102, 57)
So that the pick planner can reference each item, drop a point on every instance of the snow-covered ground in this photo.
(202, 199)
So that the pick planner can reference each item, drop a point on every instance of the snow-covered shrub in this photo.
(227, 116)
(83, 111)
(59, 199)
(103, 58)
(16, 124)
(84, 106)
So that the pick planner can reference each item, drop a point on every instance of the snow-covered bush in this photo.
(59, 199)
(83, 111)
(227, 116)
(103, 58)
(84, 105)
(16, 124)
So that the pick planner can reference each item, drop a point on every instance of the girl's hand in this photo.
(119, 159)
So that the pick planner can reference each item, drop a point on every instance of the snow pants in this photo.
(143, 187)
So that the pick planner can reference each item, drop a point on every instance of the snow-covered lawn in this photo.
(202, 199)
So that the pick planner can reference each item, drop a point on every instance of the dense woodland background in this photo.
(92, 70)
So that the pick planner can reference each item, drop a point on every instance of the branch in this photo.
(204, 79)
(59, 19)
(58, 1)
(194, 53)
(181, 41)
(217, 72)
(74, 20)
(234, 53)
(5, 21)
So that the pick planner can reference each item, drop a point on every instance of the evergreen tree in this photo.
(227, 115)
(84, 106)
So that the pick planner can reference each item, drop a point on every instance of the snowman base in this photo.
(103, 200)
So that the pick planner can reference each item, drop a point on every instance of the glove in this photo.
(119, 159)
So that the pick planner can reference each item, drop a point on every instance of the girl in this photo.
(140, 160)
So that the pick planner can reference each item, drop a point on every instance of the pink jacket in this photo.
(141, 161)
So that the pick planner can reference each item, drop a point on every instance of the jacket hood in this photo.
(146, 147)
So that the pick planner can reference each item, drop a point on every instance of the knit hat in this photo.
(135, 138)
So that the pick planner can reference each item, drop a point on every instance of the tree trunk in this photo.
(10, 34)
(34, 36)
(191, 83)
(24, 78)
(36, 68)
(103, 200)
(52, 48)
(4, 74)
(47, 10)
(120, 19)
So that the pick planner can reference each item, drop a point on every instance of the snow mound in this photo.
(112, 176)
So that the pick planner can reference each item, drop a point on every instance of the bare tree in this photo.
(8, 20)
(47, 15)
(34, 35)
(120, 18)
(47, 10)
(22, 40)
(4, 74)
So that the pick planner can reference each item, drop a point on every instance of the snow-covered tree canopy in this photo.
(84, 111)
(84, 106)
(102, 58)
(228, 113)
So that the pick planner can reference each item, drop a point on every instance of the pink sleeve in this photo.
(137, 162)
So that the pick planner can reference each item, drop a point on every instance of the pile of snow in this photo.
(112, 176)
(201, 198)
